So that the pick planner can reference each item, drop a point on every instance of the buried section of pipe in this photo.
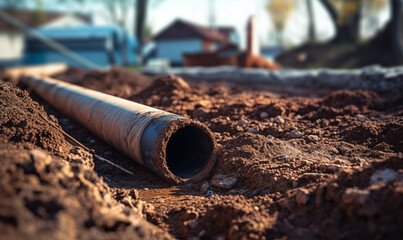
(177, 148)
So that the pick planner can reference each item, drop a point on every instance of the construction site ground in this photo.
(308, 164)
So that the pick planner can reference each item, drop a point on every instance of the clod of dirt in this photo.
(295, 134)
(274, 109)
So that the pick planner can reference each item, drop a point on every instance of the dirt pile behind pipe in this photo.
(119, 82)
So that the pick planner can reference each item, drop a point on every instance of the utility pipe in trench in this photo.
(177, 148)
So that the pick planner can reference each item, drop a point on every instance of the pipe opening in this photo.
(188, 151)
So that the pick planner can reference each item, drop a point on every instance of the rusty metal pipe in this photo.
(177, 148)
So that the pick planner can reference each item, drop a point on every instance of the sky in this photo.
(227, 13)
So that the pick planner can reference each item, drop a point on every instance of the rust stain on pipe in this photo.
(177, 148)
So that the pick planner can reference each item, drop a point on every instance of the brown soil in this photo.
(298, 167)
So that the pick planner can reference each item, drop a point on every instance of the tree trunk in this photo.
(346, 32)
(396, 30)
(141, 13)
(311, 22)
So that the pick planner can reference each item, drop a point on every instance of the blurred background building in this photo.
(294, 33)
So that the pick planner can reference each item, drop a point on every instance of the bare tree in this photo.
(396, 28)
(118, 11)
(280, 11)
(141, 14)
(346, 16)
(311, 21)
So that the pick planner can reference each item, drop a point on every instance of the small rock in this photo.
(360, 116)
(283, 156)
(383, 176)
(279, 119)
(264, 115)
(223, 181)
(209, 193)
(355, 196)
(302, 196)
(205, 187)
(330, 168)
(312, 138)
(253, 130)
(295, 134)
(242, 122)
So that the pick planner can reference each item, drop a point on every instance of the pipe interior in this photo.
(188, 151)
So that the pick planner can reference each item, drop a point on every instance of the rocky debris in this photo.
(383, 176)
(295, 134)
(223, 181)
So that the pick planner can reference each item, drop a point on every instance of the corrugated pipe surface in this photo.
(177, 148)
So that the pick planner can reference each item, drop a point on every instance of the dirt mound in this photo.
(364, 133)
(44, 196)
(119, 82)
(363, 99)
(47, 198)
(325, 112)
(273, 110)
(162, 90)
(234, 218)
(25, 121)
(345, 206)
(256, 162)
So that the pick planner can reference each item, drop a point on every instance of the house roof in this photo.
(80, 32)
(180, 29)
(33, 19)
(226, 31)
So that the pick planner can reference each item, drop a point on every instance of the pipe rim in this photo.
(163, 140)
